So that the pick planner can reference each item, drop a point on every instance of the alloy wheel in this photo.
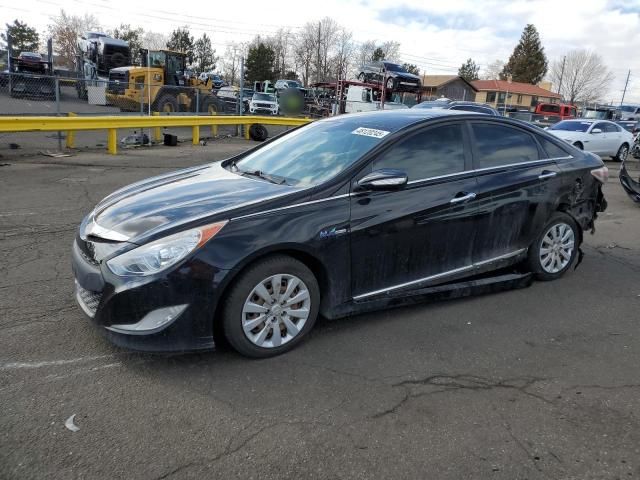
(276, 310)
(556, 248)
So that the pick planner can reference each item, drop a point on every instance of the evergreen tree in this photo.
(260, 60)
(528, 63)
(133, 36)
(469, 70)
(182, 41)
(378, 54)
(23, 38)
(411, 68)
(205, 54)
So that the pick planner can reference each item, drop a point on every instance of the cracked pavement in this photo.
(537, 383)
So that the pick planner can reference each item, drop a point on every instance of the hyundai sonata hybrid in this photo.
(340, 216)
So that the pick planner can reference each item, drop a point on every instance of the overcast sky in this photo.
(437, 35)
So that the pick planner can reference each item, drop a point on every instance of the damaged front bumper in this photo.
(168, 312)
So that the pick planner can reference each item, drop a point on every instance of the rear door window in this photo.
(430, 153)
(611, 128)
(498, 145)
(552, 150)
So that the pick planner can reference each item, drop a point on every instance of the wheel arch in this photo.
(565, 207)
(296, 251)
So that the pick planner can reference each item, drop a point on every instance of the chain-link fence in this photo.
(34, 95)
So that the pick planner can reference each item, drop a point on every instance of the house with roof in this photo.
(448, 86)
(497, 93)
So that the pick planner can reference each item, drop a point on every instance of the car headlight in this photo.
(163, 253)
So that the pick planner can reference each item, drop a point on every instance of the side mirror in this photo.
(384, 179)
(596, 130)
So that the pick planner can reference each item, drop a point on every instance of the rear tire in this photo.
(211, 106)
(555, 248)
(252, 332)
(362, 77)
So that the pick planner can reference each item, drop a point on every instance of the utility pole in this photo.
(564, 59)
(624, 92)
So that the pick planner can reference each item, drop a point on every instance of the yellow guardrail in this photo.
(74, 123)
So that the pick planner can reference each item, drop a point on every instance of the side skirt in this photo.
(479, 286)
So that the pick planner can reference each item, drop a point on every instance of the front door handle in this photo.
(547, 174)
(464, 197)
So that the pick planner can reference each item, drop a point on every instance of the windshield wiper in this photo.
(257, 173)
(264, 176)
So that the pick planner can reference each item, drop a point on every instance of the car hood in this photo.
(158, 203)
(406, 75)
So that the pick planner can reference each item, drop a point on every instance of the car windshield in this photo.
(628, 108)
(393, 67)
(314, 153)
(264, 96)
(572, 126)
(599, 114)
(293, 84)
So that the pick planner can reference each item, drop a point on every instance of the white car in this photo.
(601, 137)
(263, 103)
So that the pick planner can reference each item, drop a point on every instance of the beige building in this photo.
(448, 86)
(497, 93)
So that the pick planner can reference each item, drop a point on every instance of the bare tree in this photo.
(154, 40)
(231, 61)
(391, 50)
(326, 35)
(493, 70)
(344, 50)
(280, 42)
(303, 51)
(365, 52)
(585, 77)
(65, 29)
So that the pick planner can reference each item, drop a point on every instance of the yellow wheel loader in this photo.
(162, 81)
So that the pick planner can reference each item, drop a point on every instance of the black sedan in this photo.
(344, 215)
(394, 76)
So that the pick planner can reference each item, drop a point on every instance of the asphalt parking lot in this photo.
(537, 383)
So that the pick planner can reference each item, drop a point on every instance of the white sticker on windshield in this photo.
(370, 132)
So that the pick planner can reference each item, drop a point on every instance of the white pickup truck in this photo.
(364, 99)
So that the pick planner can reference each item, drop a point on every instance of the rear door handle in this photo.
(547, 174)
(464, 198)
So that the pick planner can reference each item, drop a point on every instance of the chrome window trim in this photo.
(448, 273)
(449, 175)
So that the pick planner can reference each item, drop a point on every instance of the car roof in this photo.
(394, 120)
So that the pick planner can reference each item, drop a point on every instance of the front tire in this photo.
(555, 248)
(167, 104)
(271, 307)
(391, 84)
(623, 152)
(578, 145)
